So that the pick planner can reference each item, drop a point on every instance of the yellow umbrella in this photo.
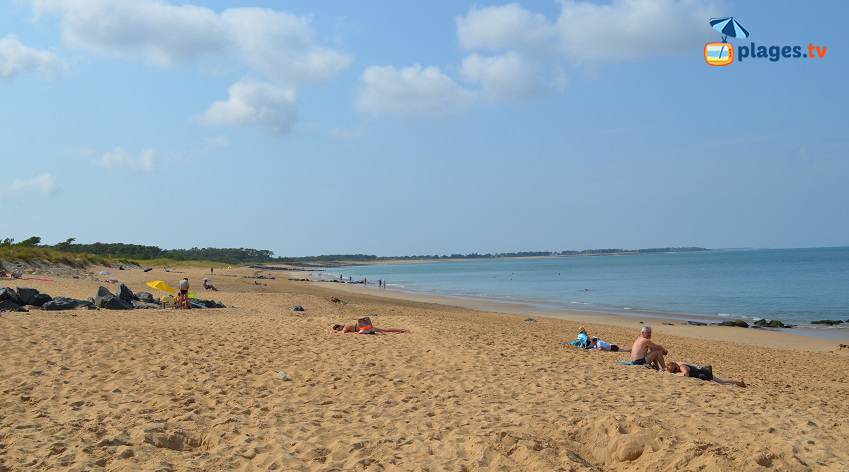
(160, 285)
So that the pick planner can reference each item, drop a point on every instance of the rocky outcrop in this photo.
(6, 293)
(105, 299)
(125, 294)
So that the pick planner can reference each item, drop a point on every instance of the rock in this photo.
(105, 299)
(10, 306)
(26, 295)
(6, 293)
(297, 308)
(210, 303)
(125, 293)
(828, 322)
(739, 323)
(696, 323)
(777, 324)
(530, 320)
(144, 297)
(40, 299)
(144, 305)
(59, 303)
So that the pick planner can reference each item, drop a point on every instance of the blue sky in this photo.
(399, 128)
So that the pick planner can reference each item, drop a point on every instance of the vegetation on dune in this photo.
(153, 255)
(28, 251)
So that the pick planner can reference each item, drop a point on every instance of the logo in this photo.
(722, 54)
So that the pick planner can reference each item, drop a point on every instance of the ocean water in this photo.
(792, 285)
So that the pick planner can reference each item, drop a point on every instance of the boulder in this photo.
(105, 299)
(696, 323)
(144, 297)
(60, 303)
(9, 305)
(125, 293)
(826, 322)
(6, 293)
(40, 299)
(739, 323)
(210, 303)
(26, 294)
(297, 308)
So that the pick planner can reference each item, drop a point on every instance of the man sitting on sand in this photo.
(644, 351)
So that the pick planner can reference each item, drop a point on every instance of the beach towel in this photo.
(650, 366)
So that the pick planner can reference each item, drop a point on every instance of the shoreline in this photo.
(811, 339)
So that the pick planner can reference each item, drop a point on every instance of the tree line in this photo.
(246, 255)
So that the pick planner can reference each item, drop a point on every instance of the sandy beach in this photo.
(463, 390)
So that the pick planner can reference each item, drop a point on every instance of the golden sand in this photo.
(464, 390)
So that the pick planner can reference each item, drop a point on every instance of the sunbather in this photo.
(600, 345)
(699, 372)
(363, 326)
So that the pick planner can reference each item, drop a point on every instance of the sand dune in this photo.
(464, 390)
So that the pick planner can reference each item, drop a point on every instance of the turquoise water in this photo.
(792, 285)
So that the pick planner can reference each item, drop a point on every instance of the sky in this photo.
(405, 128)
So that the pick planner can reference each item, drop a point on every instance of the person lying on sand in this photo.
(699, 372)
(336, 300)
(644, 351)
(363, 326)
(600, 345)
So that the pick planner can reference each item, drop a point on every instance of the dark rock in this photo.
(210, 303)
(148, 269)
(40, 299)
(125, 293)
(144, 305)
(9, 305)
(60, 303)
(26, 295)
(696, 323)
(105, 299)
(760, 323)
(297, 308)
(530, 320)
(144, 297)
(828, 322)
(6, 293)
(777, 324)
(739, 323)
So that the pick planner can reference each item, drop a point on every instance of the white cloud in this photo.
(281, 46)
(275, 47)
(119, 159)
(216, 142)
(504, 27)
(44, 183)
(587, 32)
(16, 58)
(410, 91)
(255, 104)
(505, 77)
(633, 29)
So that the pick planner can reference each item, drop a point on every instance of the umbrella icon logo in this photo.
(722, 54)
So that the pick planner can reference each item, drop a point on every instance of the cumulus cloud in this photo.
(276, 47)
(16, 59)
(504, 27)
(252, 103)
(504, 77)
(586, 31)
(145, 162)
(282, 46)
(410, 91)
(44, 184)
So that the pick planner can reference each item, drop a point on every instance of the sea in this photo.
(795, 286)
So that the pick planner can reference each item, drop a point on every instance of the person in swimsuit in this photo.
(353, 328)
(600, 345)
(699, 372)
(183, 296)
(644, 351)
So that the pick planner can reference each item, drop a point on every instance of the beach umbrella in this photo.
(160, 285)
(729, 27)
